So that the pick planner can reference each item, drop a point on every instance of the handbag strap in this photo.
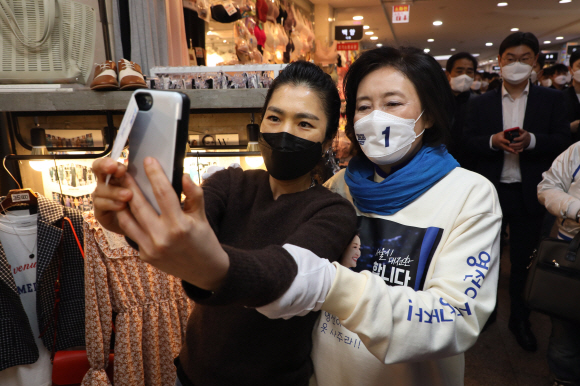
(573, 248)
(8, 17)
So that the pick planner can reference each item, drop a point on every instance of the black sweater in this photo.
(227, 341)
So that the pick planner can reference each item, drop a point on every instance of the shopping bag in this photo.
(46, 41)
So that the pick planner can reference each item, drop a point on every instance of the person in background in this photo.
(572, 96)
(560, 76)
(485, 79)
(546, 78)
(537, 71)
(559, 191)
(495, 82)
(515, 165)
(477, 81)
(460, 70)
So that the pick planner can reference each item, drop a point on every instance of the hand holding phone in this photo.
(160, 131)
(511, 134)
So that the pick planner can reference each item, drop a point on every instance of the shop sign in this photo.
(348, 32)
(347, 46)
(401, 13)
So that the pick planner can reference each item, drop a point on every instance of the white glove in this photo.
(309, 288)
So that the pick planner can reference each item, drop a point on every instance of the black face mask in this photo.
(288, 157)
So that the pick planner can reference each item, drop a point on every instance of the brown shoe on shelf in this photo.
(105, 77)
(130, 75)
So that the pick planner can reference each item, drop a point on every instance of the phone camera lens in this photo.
(144, 101)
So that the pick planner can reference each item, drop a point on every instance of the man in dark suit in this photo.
(572, 96)
(460, 70)
(515, 165)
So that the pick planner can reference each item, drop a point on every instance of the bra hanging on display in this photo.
(297, 46)
(290, 21)
(325, 55)
(282, 38)
(282, 15)
(260, 35)
(262, 10)
(273, 11)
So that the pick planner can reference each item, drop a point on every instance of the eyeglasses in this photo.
(525, 60)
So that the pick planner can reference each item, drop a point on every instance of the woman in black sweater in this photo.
(239, 226)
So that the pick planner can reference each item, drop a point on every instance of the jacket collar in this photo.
(531, 106)
(48, 233)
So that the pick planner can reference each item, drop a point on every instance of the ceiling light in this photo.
(442, 57)
(426, 50)
(329, 19)
(514, 29)
(489, 44)
(369, 33)
(547, 42)
(357, 18)
(366, 27)
(210, 33)
(225, 41)
(374, 38)
(565, 1)
(379, 45)
(475, 55)
(502, 4)
(453, 49)
(560, 38)
(437, 22)
(430, 40)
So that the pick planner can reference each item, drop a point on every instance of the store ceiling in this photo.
(467, 24)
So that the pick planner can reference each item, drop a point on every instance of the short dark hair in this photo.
(558, 68)
(549, 71)
(574, 57)
(422, 70)
(541, 61)
(486, 75)
(520, 38)
(460, 55)
(302, 73)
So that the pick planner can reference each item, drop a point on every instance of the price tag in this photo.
(20, 197)
(230, 9)
(124, 130)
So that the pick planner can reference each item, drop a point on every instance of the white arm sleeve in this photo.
(309, 288)
(553, 190)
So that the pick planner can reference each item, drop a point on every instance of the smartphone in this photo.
(160, 131)
(511, 134)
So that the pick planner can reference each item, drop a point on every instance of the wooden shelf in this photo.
(250, 99)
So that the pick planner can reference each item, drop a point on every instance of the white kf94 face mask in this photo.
(461, 83)
(560, 80)
(516, 72)
(385, 138)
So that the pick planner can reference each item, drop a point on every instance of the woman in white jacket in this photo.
(559, 191)
(426, 280)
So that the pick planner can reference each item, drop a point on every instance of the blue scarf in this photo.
(402, 186)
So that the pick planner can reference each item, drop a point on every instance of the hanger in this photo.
(19, 198)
